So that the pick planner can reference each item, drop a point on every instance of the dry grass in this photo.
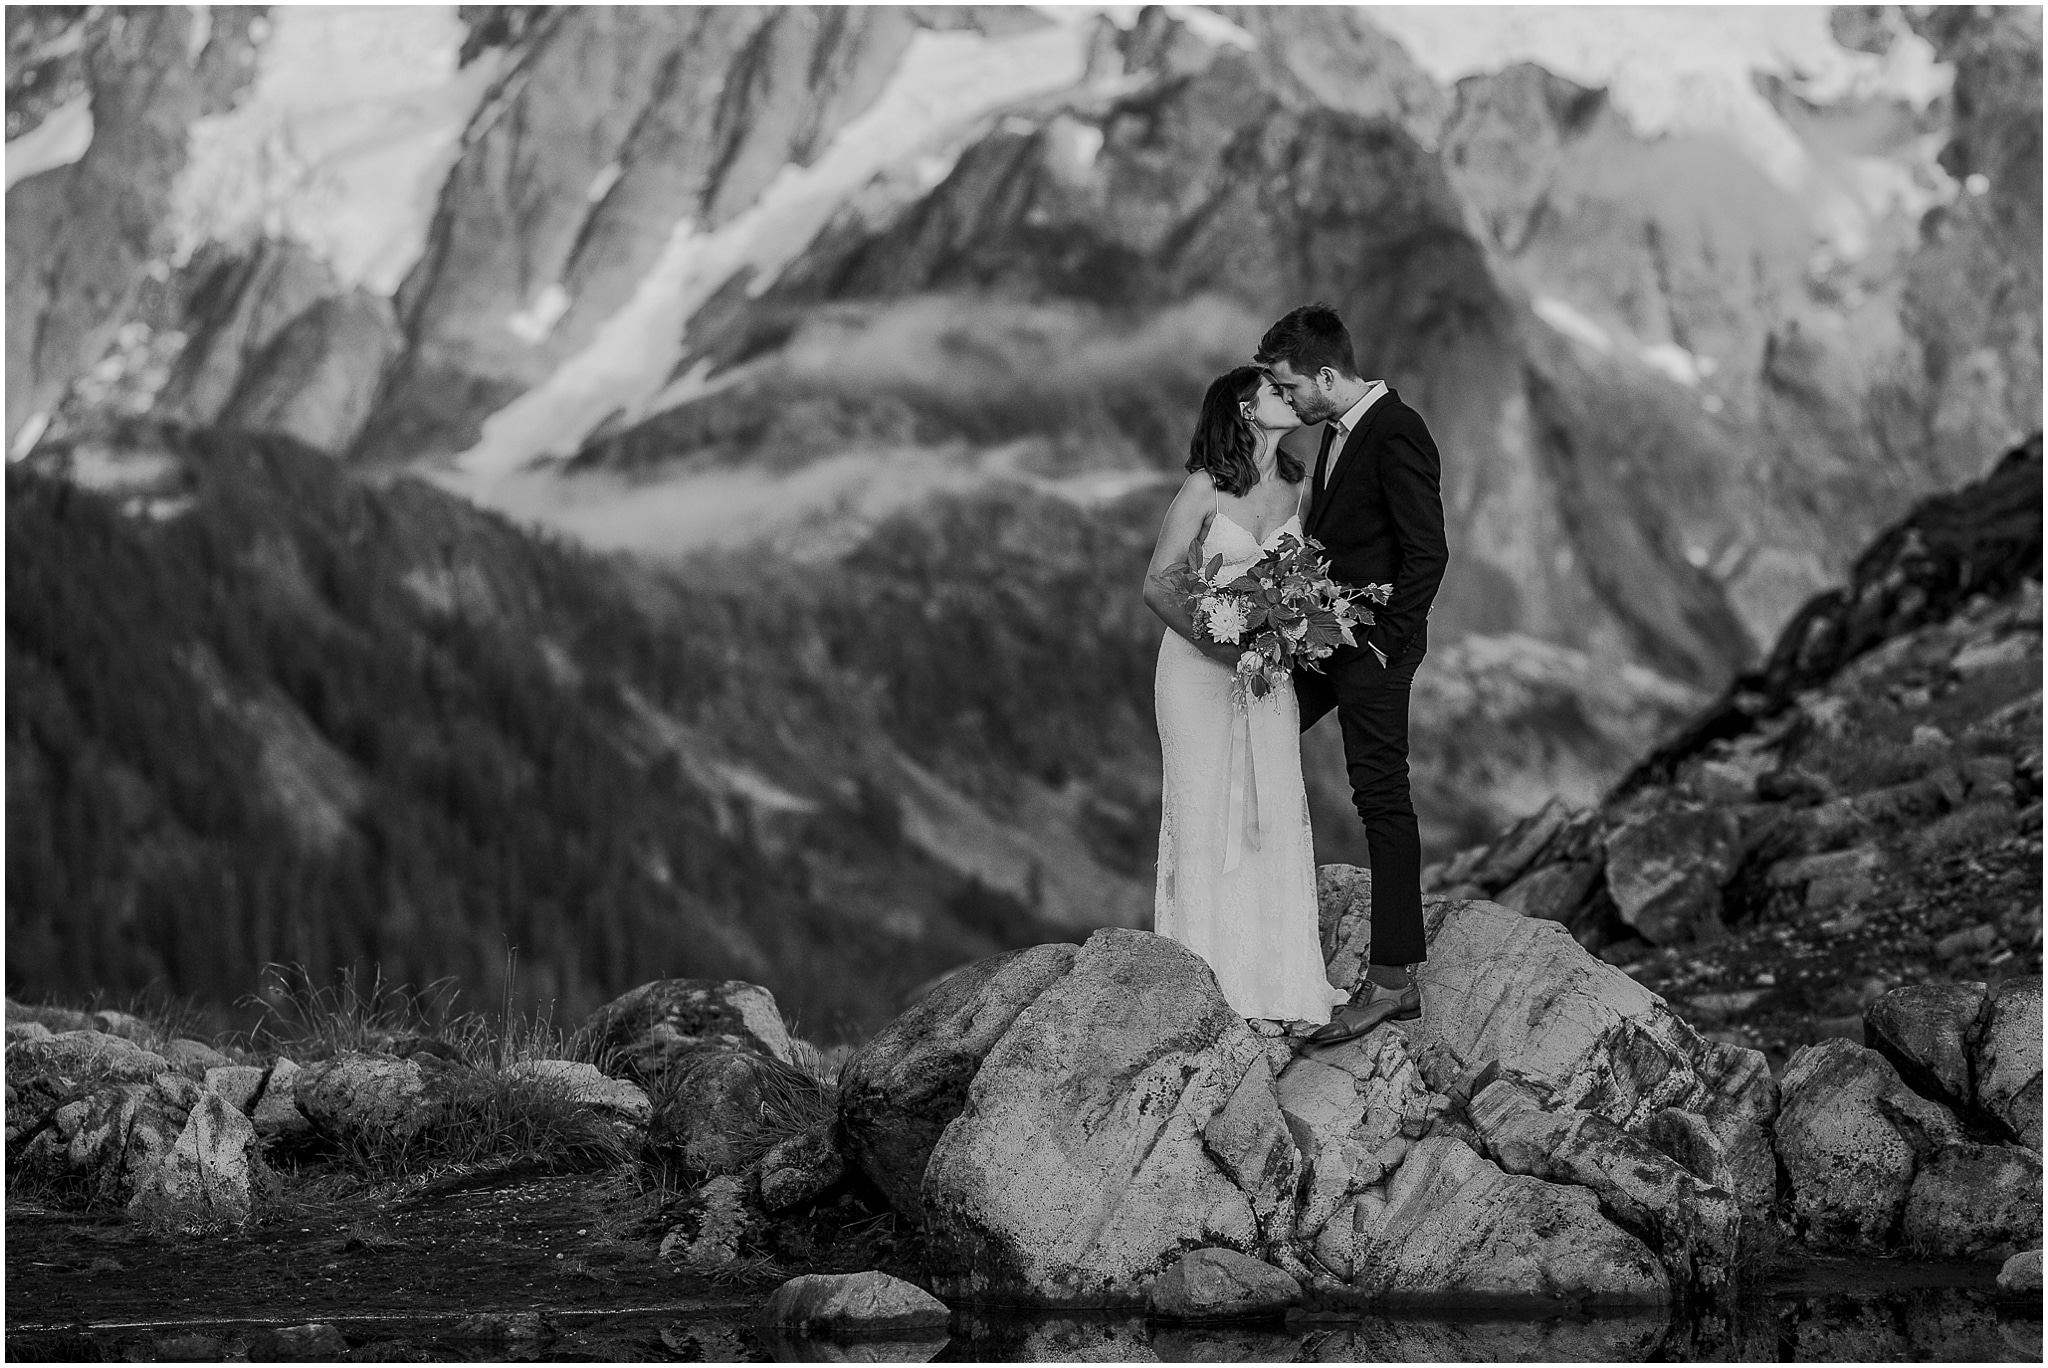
(1967, 828)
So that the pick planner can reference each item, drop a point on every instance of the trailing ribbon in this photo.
(1241, 812)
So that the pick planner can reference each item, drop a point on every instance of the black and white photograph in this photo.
(821, 683)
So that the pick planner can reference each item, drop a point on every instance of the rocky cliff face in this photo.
(1862, 811)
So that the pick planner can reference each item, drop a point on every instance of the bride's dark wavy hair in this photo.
(1225, 443)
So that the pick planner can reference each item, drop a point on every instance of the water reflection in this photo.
(1925, 1324)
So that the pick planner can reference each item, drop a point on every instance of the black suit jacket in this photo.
(1381, 520)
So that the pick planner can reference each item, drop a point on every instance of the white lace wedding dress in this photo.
(1237, 877)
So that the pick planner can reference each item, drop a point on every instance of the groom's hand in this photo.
(1221, 652)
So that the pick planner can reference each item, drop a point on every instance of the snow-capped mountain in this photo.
(1694, 299)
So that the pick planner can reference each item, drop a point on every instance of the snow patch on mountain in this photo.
(945, 83)
(342, 142)
(1677, 69)
(59, 140)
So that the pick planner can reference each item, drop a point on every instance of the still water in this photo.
(1882, 1320)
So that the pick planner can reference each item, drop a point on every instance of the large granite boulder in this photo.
(1974, 1202)
(865, 1302)
(640, 1034)
(1077, 1171)
(1520, 992)
(1693, 1225)
(2007, 1059)
(1851, 1136)
(899, 1091)
(1925, 1030)
(1127, 1116)
(1451, 1226)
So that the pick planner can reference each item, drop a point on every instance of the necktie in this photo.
(1323, 458)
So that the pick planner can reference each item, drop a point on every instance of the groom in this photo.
(1376, 508)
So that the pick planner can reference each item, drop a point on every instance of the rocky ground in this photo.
(1861, 812)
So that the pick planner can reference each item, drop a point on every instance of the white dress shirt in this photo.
(1346, 425)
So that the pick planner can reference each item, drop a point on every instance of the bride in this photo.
(1237, 878)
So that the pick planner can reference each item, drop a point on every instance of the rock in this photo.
(1723, 781)
(1554, 892)
(590, 1086)
(1794, 785)
(1834, 864)
(1355, 1111)
(1344, 919)
(193, 1348)
(1688, 1139)
(2006, 1059)
(1694, 1226)
(309, 382)
(712, 1225)
(81, 1057)
(316, 1343)
(55, 1019)
(276, 1113)
(798, 1169)
(641, 1033)
(193, 1057)
(2021, 1274)
(1511, 855)
(204, 1182)
(854, 1301)
(1597, 1038)
(500, 1326)
(48, 1072)
(1250, 1140)
(1924, 1031)
(1220, 1284)
(1450, 1226)
(364, 1094)
(710, 1108)
(238, 1085)
(115, 1137)
(1851, 1135)
(1971, 940)
(1992, 655)
(1077, 1171)
(127, 1026)
(1974, 1202)
(1666, 866)
(899, 1091)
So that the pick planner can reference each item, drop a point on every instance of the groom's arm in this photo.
(1411, 476)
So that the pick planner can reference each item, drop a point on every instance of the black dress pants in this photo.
(1372, 706)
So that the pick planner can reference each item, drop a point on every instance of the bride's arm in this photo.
(1186, 519)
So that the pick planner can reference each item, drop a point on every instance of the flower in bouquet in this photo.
(1283, 609)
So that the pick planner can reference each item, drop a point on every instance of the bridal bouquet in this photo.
(1284, 610)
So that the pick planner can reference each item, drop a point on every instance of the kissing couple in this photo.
(1237, 871)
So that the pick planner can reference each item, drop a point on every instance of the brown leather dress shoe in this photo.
(1359, 1016)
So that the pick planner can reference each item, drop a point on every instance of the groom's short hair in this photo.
(1308, 339)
